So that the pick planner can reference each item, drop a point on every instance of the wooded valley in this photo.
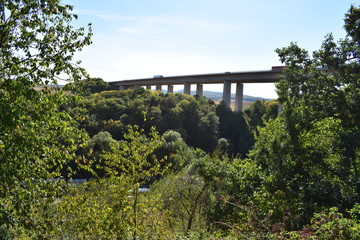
(172, 166)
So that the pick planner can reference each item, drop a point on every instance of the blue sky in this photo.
(141, 38)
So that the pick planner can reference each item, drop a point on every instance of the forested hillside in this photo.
(200, 121)
(172, 166)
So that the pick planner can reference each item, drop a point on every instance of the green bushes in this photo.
(199, 121)
(299, 181)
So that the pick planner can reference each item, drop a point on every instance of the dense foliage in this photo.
(310, 154)
(87, 86)
(200, 122)
(37, 44)
(172, 166)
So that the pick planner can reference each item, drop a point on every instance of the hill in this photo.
(218, 96)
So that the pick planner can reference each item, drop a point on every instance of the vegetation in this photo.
(37, 44)
(87, 86)
(310, 153)
(200, 122)
(172, 166)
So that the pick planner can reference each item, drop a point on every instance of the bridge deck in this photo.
(268, 76)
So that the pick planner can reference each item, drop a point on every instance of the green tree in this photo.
(88, 86)
(135, 164)
(254, 113)
(37, 44)
(185, 198)
(259, 112)
(311, 151)
(234, 128)
(272, 110)
(177, 152)
(112, 207)
(193, 118)
(91, 165)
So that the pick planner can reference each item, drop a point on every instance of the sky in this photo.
(142, 38)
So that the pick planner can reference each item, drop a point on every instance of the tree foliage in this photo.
(300, 180)
(111, 207)
(311, 151)
(194, 118)
(259, 112)
(234, 127)
(88, 86)
(37, 44)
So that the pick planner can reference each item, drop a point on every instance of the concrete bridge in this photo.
(227, 78)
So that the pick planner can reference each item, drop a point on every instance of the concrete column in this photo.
(199, 90)
(227, 93)
(158, 87)
(187, 88)
(121, 87)
(239, 97)
(148, 87)
(170, 89)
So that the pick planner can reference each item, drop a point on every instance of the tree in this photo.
(234, 128)
(259, 112)
(176, 151)
(311, 151)
(112, 111)
(89, 86)
(135, 164)
(185, 197)
(112, 207)
(255, 112)
(37, 44)
(91, 153)
(272, 110)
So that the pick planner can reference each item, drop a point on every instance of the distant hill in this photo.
(209, 94)
(218, 96)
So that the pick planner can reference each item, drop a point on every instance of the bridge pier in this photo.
(158, 87)
(187, 87)
(239, 97)
(227, 93)
(199, 90)
(170, 89)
